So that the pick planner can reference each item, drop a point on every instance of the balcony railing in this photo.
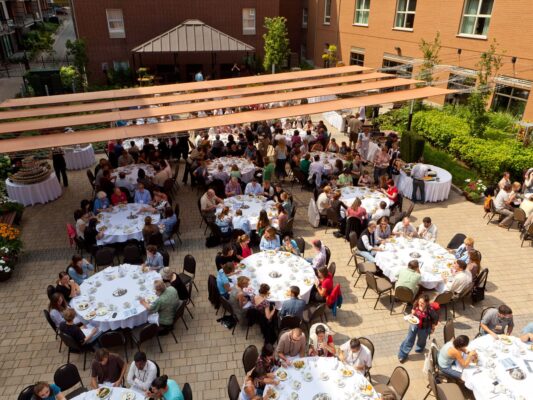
(6, 27)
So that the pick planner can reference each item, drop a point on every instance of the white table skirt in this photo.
(126, 276)
(435, 190)
(434, 260)
(481, 383)
(326, 377)
(36, 193)
(120, 228)
(246, 167)
(79, 158)
(370, 198)
(132, 171)
(294, 270)
(255, 204)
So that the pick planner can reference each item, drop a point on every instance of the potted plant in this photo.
(473, 190)
(7, 206)
(5, 264)
(10, 243)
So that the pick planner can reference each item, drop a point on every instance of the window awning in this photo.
(192, 36)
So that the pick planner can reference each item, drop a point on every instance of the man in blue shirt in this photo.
(142, 196)
(294, 306)
(223, 283)
(240, 222)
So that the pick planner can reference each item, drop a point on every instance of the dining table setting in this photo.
(132, 171)
(110, 299)
(106, 392)
(246, 167)
(370, 198)
(251, 206)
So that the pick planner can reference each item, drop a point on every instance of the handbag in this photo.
(478, 294)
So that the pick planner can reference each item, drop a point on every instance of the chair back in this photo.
(156, 239)
(492, 206)
(234, 389)
(187, 392)
(180, 310)
(67, 376)
(27, 393)
(50, 290)
(158, 370)
(353, 224)
(290, 322)
(444, 298)
(332, 216)
(404, 294)
(132, 254)
(127, 193)
(249, 358)
(519, 215)
(50, 320)
(434, 349)
(165, 255)
(332, 268)
(293, 211)
(167, 186)
(319, 312)
(177, 210)
(189, 265)
(371, 281)
(105, 257)
(111, 339)
(410, 209)
(228, 308)
(328, 254)
(301, 244)
(70, 342)
(353, 239)
(399, 380)
(288, 227)
(213, 293)
(148, 332)
(456, 241)
(91, 177)
(368, 344)
(449, 331)
(481, 279)
(432, 383)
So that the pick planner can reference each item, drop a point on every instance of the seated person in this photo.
(154, 259)
(461, 278)
(461, 253)
(496, 320)
(321, 341)
(107, 369)
(291, 344)
(79, 268)
(118, 197)
(67, 287)
(240, 222)
(242, 248)
(101, 203)
(158, 203)
(268, 190)
(404, 228)
(293, 306)
(365, 179)
(56, 307)
(269, 241)
(74, 331)
(286, 202)
(141, 195)
(125, 159)
(383, 231)
(345, 178)
(142, 373)
(410, 277)
(122, 182)
(223, 221)
(47, 391)
(166, 389)
(455, 352)
(323, 286)
(253, 188)
(169, 222)
(357, 355)
(223, 282)
(323, 201)
(382, 211)
(319, 260)
(427, 230)
(527, 333)
(166, 305)
(208, 203)
(220, 174)
(227, 255)
(366, 244)
(149, 229)
(290, 246)
(282, 217)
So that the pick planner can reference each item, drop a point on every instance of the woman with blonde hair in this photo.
(281, 159)
(357, 210)
(243, 249)
(149, 229)
(234, 172)
(240, 296)
(474, 265)
(223, 221)
(365, 179)
(270, 241)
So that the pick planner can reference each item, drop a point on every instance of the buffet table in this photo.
(436, 190)
(79, 157)
(116, 291)
(35, 193)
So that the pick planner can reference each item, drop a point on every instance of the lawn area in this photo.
(444, 160)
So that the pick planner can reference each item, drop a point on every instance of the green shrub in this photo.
(394, 120)
(438, 127)
(502, 121)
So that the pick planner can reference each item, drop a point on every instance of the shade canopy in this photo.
(190, 37)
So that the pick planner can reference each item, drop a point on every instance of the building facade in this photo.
(112, 28)
(387, 34)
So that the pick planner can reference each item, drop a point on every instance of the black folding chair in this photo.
(66, 377)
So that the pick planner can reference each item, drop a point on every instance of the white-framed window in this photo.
(115, 23)
(357, 57)
(248, 21)
(362, 12)
(327, 12)
(305, 17)
(405, 14)
(476, 18)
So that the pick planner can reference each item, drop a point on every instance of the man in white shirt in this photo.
(122, 182)
(418, 173)
(240, 222)
(141, 374)
(323, 201)
(357, 355)
(253, 188)
(404, 228)
(316, 168)
(220, 174)
(502, 204)
(382, 211)
(427, 230)
(461, 279)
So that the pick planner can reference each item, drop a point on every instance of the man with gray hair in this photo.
(166, 305)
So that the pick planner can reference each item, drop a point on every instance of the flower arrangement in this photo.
(5, 166)
(10, 238)
(474, 189)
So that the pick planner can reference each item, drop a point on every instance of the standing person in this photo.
(354, 125)
(60, 165)
(141, 374)
(281, 159)
(427, 321)
(418, 173)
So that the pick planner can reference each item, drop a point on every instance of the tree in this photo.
(488, 66)
(430, 52)
(38, 41)
(78, 50)
(276, 42)
(330, 56)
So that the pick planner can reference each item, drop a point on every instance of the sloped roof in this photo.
(192, 36)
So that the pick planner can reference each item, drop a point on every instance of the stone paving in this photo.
(207, 354)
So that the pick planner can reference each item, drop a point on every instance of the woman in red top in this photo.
(321, 342)
(323, 285)
(243, 249)
(392, 191)
(118, 197)
(356, 210)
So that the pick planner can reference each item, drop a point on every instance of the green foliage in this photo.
(38, 41)
(68, 75)
(437, 127)
(77, 49)
(394, 119)
(276, 42)
(430, 52)
(502, 121)
(120, 78)
(444, 160)
(411, 147)
(330, 56)
(478, 119)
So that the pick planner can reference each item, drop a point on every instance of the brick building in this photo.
(387, 33)
(113, 28)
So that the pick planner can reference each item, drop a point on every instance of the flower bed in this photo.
(10, 247)
(474, 190)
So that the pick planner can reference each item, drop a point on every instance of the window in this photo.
(305, 17)
(248, 21)
(362, 11)
(405, 14)
(121, 65)
(510, 99)
(401, 70)
(357, 57)
(115, 24)
(327, 12)
(460, 82)
(476, 18)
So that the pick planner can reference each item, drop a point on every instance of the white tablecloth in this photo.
(246, 167)
(132, 171)
(130, 313)
(435, 190)
(323, 375)
(119, 228)
(36, 193)
(370, 198)
(334, 119)
(294, 270)
(79, 157)
(491, 353)
(434, 260)
(254, 203)
(116, 394)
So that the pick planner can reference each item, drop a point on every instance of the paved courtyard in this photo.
(207, 354)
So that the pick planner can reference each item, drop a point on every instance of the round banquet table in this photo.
(434, 260)
(132, 171)
(294, 270)
(252, 206)
(328, 159)
(97, 291)
(35, 193)
(494, 360)
(118, 228)
(246, 167)
(323, 375)
(79, 157)
(436, 190)
(370, 198)
(117, 393)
